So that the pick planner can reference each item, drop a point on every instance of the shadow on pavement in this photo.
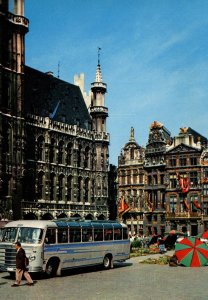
(71, 272)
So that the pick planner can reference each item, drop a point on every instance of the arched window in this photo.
(86, 157)
(40, 148)
(132, 153)
(40, 185)
(60, 187)
(60, 152)
(93, 191)
(52, 186)
(69, 188)
(79, 156)
(52, 151)
(79, 192)
(69, 151)
(86, 190)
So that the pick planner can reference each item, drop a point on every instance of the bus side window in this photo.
(75, 235)
(62, 235)
(117, 234)
(108, 234)
(98, 234)
(86, 234)
(50, 237)
(125, 234)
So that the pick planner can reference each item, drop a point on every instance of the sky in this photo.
(153, 58)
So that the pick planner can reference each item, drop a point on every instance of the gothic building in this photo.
(131, 183)
(175, 182)
(154, 166)
(53, 150)
(187, 172)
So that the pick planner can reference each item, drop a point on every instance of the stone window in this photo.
(52, 151)
(69, 188)
(79, 189)
(60, 152)
(86, 190)
(172, 162)
(205, 189)
(132, 153)
(52, 186)
(40, 148)
(79, 156)
(69, 151)
(86, 157)
(173, 181)
(40, 185)
(173, 203)
(193, 161)
(193, 179)
(60, 187)
(182, 161)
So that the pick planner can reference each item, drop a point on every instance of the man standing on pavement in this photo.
(21, 266)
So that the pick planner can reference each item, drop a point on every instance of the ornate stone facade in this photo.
(175, 182)
(131, 183)
(53, 153)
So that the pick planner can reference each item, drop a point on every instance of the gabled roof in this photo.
(197, 136)
(48, 96)
(182, 148)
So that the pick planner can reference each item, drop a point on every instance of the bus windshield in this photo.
(9, 234)
(23, 235)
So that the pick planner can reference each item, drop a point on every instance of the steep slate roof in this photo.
(196, 135)
(48, 96)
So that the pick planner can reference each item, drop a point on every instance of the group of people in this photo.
(142, 238)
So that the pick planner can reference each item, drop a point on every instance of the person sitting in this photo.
(173, 261)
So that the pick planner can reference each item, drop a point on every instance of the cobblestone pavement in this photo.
(127, 281)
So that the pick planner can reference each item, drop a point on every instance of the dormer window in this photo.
(132, 153)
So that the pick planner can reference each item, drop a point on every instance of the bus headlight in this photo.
(31, 258)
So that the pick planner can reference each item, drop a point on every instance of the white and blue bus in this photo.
(56, 245)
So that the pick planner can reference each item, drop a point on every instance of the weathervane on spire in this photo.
(99, 55)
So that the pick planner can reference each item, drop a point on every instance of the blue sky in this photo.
(154, 58)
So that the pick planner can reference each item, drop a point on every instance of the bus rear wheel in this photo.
(107, 261)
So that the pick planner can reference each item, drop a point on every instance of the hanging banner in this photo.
(184, 183)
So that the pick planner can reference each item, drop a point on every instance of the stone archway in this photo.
(30, 216)
(101, 217)
(89, 217)
(62, 216)
(47, 216)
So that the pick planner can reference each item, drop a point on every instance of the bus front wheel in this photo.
(51, 268)
(107, 262)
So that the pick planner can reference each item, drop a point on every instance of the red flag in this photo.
(197, 205)
(123, 206)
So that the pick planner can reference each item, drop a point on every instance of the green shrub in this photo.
(136, 244)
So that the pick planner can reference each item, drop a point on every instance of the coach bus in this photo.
(56, 245)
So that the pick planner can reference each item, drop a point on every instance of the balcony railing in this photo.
(183, 215)
(20, 20)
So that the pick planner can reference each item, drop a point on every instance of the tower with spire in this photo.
(98, 110)
(13, 27)
(99, 114)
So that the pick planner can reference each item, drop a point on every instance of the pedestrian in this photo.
(21, 266)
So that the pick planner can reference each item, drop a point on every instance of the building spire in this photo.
(98, 77)
(131, 139)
